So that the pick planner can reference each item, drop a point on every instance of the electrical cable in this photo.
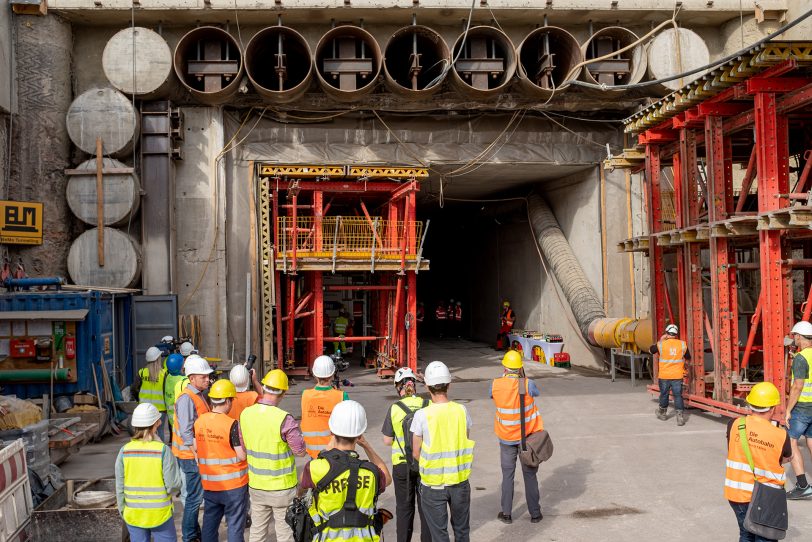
(436, 81)
(708, 66)
(579, 136)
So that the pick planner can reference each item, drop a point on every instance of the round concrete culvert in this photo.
(416, 62)
(486, 63)
(348, 62)
(209, 63)
(546, 58)
(626, 68)
(279, 64)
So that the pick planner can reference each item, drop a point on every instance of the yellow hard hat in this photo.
(512, 360)
(764, 395)
(506, 303)
(276, 379)
(222, 389)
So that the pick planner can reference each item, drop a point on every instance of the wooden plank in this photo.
(100, 200)
(105, 171)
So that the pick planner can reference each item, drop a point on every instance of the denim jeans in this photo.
(161, 533)
(193, 496)
(800, 425)
(230, 503)
(674, 386)
(438, 502)
(740, 509)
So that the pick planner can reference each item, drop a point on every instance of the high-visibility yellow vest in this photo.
(180, 385)
(170, 385)
(331, 500)
(146, 502)
(766, 443)
(340, 325)
(271, 465)
(152, 392)
(806, 392)
(672, 359)
(447, 453)
(413, 402)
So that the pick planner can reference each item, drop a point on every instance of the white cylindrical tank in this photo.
(138, 61)
(122, 260)
(671, 53)
(105, 113)
(121, 196)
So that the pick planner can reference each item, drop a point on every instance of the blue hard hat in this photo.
(174, 364)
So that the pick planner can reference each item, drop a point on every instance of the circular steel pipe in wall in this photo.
(348, 62)
(487, 63)
(279, 64)
(209, 63)
(415, 57)
(626, 68)
(545, 57)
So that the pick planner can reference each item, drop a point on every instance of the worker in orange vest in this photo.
(318, 404)
(506, 321)
(190, 404)
(755, 445)
(223, 466)
(242, 380)
(507, 426)
(441, 316)
(458, 319)
(670, 371)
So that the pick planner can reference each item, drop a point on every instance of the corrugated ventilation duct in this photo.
(583, 299)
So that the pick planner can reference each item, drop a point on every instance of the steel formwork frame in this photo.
(300, 241)
(712, 229)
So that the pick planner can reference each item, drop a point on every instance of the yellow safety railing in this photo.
(350, 237)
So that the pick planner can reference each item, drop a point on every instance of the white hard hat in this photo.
(167, 339)
(186, 349)
(404, 372)
(195, 365)
(348, 419)
(153, 354)
(144, 415)
(803, 328)
(437, 373)
(672, 329)
(239, 377)
(323, 367)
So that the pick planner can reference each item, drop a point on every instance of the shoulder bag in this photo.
(767, 514)
(537, 447)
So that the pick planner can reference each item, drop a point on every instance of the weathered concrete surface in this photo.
(618, 473)
(6, 58)
(41, 148)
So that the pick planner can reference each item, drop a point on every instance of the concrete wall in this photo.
(5, 56)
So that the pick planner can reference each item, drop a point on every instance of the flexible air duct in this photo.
(585, 303)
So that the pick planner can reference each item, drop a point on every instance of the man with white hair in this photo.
(671, 370)
(271, 437)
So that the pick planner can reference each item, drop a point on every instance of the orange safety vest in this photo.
(440, 313)
(243, 400)
(220, 470)
(317, 405)
(180, 450)
(672, 359)
(458, 313)
(507, 422)
(508, 318)
(766, 443)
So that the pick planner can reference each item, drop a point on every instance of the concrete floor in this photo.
(618, 473)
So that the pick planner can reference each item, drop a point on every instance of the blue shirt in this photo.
(532, 389)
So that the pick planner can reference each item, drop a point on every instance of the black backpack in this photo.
(405, 427)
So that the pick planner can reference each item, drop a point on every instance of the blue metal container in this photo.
(105, 332)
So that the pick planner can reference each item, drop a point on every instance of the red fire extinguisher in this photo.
(70, 347)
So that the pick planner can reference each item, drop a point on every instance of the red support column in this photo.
(679, 220)
(318, 317)
(655, 224)
(720, 259)
(772, 162)
(412, 308)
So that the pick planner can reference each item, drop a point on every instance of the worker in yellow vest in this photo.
(223, 469)
(317, 405)
(339, 476)
(755, 445)
(242, 380)
(190, 404)
(147, 475)
(272, 437)
(149, 388)
(670, 371)
(405, 478)
(508, 429)
(340, 325)
(445, 455)
(174, 375)
(799, 408)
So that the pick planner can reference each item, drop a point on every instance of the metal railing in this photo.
(348, 237)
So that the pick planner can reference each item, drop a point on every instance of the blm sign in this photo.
(20, 223)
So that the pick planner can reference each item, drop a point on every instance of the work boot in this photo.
(504, 518)
(800, 493)
(680, 418)
(660, 412)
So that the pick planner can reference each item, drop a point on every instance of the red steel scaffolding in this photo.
(735, 259)
(338, 220)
